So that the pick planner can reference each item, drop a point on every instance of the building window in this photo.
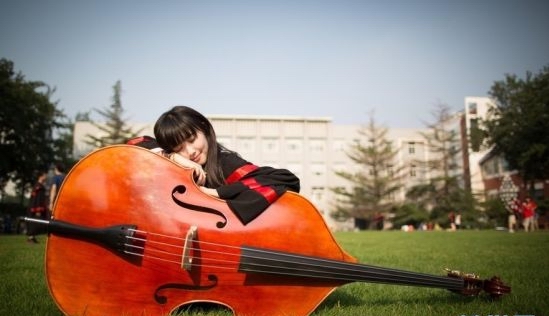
(246, 144)
(505, 165)
(318, 169)
(491, 167)
(317, 145)
(473, 123)
(317, 194)
(411, 148)
(472, 107)
(270, 145)
(338, 145)
(413, 171)
(476, 136)
(294, 145)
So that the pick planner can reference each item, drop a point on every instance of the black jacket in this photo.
(250, 189)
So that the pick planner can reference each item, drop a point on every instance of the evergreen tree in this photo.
(62, 145)
(83, 117)
(442, 192)
(377, 179)
(443, 143)
(114, 130)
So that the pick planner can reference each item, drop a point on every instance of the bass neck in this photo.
(257, 260)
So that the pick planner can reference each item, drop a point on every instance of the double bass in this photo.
(132, 234)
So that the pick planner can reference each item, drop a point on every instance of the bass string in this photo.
(176, 255)
(374, 277)
(179, 248)
(284, 264)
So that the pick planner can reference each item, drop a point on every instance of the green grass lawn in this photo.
(520, 259)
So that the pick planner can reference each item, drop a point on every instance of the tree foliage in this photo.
(410, 214)
(495, 213)
(29, 128)
(519, 127)
(443, 143)
(114, 130)
(83, 117)
(376, 179)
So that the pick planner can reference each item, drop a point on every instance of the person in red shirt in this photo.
(528, 211)
(188, 138)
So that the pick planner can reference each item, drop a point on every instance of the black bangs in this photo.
(176, 127)
(173, 136)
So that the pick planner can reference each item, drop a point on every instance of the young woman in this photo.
(188, 138)
(58, 177)
(38, 207)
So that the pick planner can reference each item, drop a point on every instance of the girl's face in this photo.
(194, 149)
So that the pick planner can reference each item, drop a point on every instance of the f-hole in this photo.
(181, 189)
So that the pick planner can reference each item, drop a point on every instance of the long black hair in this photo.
(180, 124)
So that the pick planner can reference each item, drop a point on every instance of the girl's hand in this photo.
(212, 192)
(198, 173)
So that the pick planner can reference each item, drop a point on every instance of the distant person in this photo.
(535, 222)
(528, 210)
(458, 220)
(452, 218)
(7, 223)
(378, 220)
(38, 207)
(514, 210)
(58, 177)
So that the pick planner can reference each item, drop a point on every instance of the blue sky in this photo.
(338, 59)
